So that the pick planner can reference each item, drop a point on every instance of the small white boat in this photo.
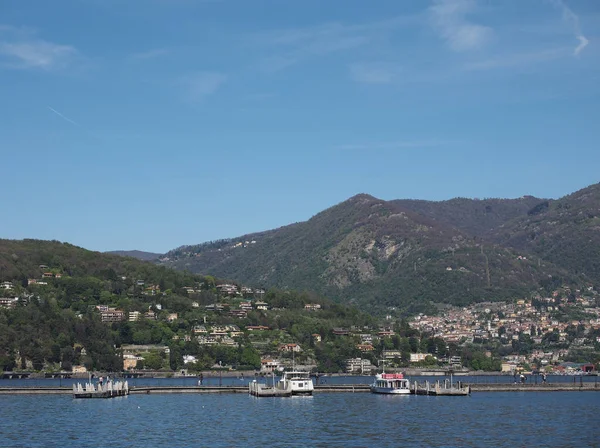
(299, 382)
(390, 383)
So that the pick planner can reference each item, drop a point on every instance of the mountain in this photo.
(473, 216)
(140, 255)
(379, 253)
(565, 231)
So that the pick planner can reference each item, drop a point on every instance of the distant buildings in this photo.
(312, 307)
(359, 366)
(108, 314)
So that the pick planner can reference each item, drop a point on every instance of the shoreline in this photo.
(157, 374)
(338, 388)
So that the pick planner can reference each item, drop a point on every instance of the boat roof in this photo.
(392, 376)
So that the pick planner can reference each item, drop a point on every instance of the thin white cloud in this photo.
(517, 59)
(292, 46)
(36, 54)
(448, 18)
(374, 73)
(62, 116)
(199, 85)
(20, 49)
(150, 54)
(260, 96)
(403, 144)
(573, 20)
(277, 63)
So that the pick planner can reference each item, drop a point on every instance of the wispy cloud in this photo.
(62, 116)
(573, 20)
(449, 19)
(517, 59)
(374, 73)
(401, 144)
(260, 96)
(36, 54)
(150, 54)
(200, 85)
(20, 49)
(292, 46)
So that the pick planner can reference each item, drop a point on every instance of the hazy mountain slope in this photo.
(473, 216)
(139, 254)
(565, 231)
(374, 253)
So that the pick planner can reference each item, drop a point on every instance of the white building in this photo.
(359, 365)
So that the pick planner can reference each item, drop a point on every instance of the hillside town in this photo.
(553, 333)
(541, 332)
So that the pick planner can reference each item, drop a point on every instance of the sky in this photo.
(150, 124)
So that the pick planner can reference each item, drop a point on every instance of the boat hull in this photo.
(302, 392)
(389, 391)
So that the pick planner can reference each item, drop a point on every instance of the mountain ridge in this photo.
(139, 254)
(404, 253)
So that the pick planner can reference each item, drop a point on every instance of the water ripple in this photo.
(325, 420)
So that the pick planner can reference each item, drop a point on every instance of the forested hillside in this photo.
(379, 254)
(55, 298)
(565, 232)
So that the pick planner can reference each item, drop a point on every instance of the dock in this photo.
(441, 388)
(110, 389)
(262, 390)
(325, 388)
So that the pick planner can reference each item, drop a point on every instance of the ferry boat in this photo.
(299, 382)
(390, 383)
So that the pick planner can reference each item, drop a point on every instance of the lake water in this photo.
(501, 419)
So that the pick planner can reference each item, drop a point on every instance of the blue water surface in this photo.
(500, 419)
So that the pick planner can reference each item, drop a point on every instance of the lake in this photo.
(501, 419)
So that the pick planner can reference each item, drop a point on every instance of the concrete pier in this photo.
(346, 388)
(440, 388)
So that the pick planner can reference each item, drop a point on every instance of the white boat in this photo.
(390, 383)
(299, 382)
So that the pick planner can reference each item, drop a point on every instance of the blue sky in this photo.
(150, 124)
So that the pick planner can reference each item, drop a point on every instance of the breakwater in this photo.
(342, 388)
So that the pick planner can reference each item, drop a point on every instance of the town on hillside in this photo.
(212, 325)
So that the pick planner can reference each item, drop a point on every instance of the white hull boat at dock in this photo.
(391, 383)
(299, 382)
